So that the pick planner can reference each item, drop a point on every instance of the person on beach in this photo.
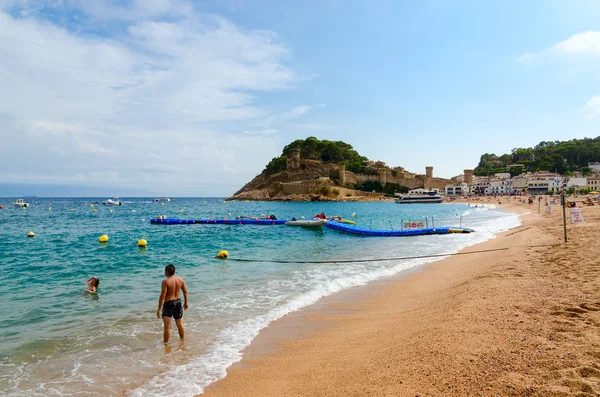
(92, 285)
(170, 302)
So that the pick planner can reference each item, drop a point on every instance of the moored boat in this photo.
(307, 223)
(21, 203)
(418, 198)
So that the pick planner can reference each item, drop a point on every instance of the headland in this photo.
(314, 170)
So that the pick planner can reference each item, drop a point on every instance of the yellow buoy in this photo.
(103, 239)
(30, 234)
(354, 214)
(224, 201)
(162, 203)
(72, 209)
(181, 210)
(110, 211)
(133, 211)
(92, 205)
(142, 243)
(93, 210)
(49, 208)
(302, 217)
(247, 201)
(222, 254)
(204, 202)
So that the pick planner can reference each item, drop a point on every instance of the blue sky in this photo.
(193, 98)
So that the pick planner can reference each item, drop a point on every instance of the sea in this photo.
(56, 340)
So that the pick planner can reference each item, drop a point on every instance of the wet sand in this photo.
(518, 322)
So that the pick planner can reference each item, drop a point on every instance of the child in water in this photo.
(93, 283)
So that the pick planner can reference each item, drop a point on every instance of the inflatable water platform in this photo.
(344, 228)
(176, 221)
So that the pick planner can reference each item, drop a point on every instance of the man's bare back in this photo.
(170, 302)
(173, 285)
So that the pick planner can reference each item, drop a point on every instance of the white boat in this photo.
(307, 223)
(21, 203)
(162, 199)
(112, 202)
(418, 198)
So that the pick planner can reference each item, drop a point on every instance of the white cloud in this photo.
(586, 43)
(579, 44)
(144, 107)
(592, 108)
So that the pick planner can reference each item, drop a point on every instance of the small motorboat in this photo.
(307, 223)
(162, 199)
(21, 203)
(112, 202)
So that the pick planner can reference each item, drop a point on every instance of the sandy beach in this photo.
(522, 320)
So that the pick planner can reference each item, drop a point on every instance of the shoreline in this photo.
(297, 336)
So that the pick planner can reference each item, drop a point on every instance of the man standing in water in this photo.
(170, 302)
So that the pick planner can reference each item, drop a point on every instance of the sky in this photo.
(194, 98)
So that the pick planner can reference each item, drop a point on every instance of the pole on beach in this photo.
(564, 203)
(539, 201)
(426, 223)
(391, 225)
(401, 224)
(432, 223)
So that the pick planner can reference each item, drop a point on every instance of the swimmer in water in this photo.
(93, 283)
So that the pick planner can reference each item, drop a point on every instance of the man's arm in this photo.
(161, 298)
(185, 295)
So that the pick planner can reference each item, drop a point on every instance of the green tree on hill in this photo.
(556, 156)
(336, 152)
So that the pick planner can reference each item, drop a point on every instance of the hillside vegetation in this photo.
(336, 152)
(563, 157)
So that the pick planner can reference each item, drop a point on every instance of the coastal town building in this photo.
(577, 183)
(501, 186)
(595, 166)
(457, 189)
(593, 183)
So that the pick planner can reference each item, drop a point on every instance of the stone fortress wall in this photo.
(295, 164)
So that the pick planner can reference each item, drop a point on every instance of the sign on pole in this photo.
(414, 225)
(576, 215)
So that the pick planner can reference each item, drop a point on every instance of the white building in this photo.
(458, 189)
(480, 187)
(594, 166)
(577, 183)
(501, 187)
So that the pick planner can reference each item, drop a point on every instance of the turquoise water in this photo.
(56, 340)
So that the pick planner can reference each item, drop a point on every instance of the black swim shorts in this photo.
(173, 309)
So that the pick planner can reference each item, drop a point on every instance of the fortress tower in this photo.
(429, 171)
(469, 176)
(293, 160)
(382, 176)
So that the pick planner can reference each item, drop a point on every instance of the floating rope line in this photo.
(402, 258)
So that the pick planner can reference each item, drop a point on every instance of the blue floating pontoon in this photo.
(350, 229)
(176, 221)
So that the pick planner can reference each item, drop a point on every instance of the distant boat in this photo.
(162, 199)
(112, 202)
(21, 203)
(418, 198)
